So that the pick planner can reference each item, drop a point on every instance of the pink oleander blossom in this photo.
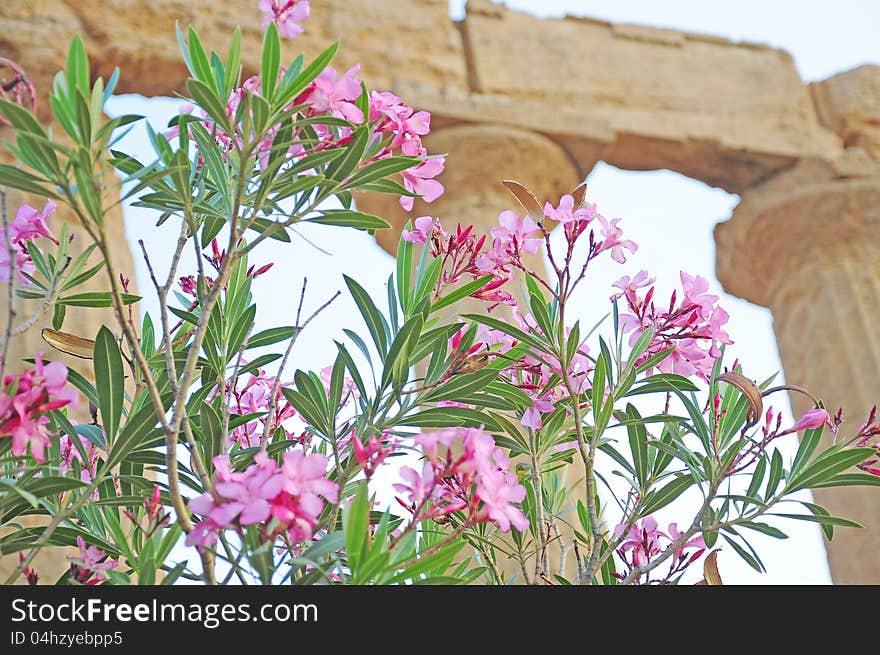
(812, 419)
(420, 180)
(612, 239)
(334, 95)
(644, 541)
(693, 327)
(532, 416)
(286, 14)
(476, 480)
(424, 228)
(281, 499)
(23, 413)
(89, 567)
(30, 224)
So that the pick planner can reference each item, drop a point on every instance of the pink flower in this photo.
(642, 541)
(695, 542)
(628, 286)
(518, 232)
(477, 480)
(424, 227)
(335, 95)
(290, 495)
(371, 454)
(498, 496)
(532, 417)
(285, 14)
(23, 415)
(29, 224)
(566, 212)
(420, 180)
(91, 561)
(611, 240)
(417, 487)
(693, 328)
(812, 419)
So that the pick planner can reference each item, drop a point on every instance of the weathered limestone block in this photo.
(849, 104)
(808, 250)
(391, 39)
(648, 98)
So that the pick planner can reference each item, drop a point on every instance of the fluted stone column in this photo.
(479, 157)
(810, 251)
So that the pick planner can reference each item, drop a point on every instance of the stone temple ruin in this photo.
(542, 101)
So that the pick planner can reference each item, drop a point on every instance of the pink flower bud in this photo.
(812, 419)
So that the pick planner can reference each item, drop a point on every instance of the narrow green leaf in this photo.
(109, 381)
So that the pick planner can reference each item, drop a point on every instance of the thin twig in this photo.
(276, 386)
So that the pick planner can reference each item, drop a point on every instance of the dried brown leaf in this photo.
(69, 344)
(752, 393)
(527, 199)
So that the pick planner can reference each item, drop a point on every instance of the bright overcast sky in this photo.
(670, 216)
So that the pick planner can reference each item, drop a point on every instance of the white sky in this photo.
(670, 216)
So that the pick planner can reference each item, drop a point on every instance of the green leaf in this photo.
(806, 448)
(271, 61)
(381, 169)
(356, 523)
(24, 181)
(351, 156)
(757, 476)
(58, 312)
(397, 362)
(78, 67)
(460, 293)
(270, 336)
(826, 466)
(460, 385)
(663, 382)
(763, 528)
(666, 494)
(212, 430)
(349, 218)
(508, 329)
(445, 417)
(109, 381)
(233, 64)
(638, 444)
(821, 518)
(96, 299)
(850, 480)
(371, 315)
(289, 90)
(748, 558)
(776, 473)
(205, 98)
(134, 433)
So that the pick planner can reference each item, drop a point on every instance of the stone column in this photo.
(806, 246)
(479, 157)
(86, 322)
